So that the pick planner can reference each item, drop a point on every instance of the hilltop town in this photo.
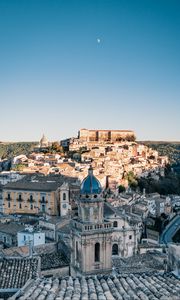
(112, 154)
(73, 211)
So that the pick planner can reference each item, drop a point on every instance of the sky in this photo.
(99, 64)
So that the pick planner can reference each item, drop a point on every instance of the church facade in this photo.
(95, 237)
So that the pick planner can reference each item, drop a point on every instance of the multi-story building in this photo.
(38, 195)
(105, 135)
(30, 197)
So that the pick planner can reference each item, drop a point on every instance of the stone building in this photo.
(100, 231)
(35, 194)
(91, 233)
(30, 197)
(87, 135)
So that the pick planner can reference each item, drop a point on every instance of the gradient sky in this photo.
(55, 77)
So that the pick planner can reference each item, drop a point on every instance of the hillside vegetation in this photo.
(170, 149)
(8, 150)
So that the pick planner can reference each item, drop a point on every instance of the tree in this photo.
(121, 189)
(56, 147)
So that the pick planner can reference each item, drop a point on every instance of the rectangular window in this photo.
(9, 196)
(9, 204)
(130, 237)
(20, 205)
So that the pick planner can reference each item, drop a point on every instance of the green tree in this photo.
(121, 188)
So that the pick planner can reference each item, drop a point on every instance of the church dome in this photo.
(44, 141)
(90, 185)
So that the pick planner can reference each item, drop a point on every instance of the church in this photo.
(99, 232)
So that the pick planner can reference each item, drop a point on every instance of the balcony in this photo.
(31, 200)
(107, 226)
(8, 198)
(19, 199)
(43, 201)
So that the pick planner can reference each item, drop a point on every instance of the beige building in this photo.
(87, 135)
(100, 231)
(30, 198)
(91, 233)
(38, 194)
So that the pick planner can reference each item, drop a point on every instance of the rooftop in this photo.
(15, 272)
(53, 260)
(11, 228)
(37, 182)
(15, 251)
(140, 263)
(112, 287)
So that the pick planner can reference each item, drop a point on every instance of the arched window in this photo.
(64, 196)
(115, 249)
(31, 198)
(97, 252)
(115, 224)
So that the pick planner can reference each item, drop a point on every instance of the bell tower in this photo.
(90, 232)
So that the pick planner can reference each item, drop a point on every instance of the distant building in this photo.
(87, 135)
(30, 235)
(43, 144)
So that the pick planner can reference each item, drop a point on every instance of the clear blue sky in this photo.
(56, 78)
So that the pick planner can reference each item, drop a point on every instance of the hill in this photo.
(8, 150)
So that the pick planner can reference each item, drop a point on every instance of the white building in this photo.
(31, 235)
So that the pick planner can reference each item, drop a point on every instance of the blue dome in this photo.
(90, 185)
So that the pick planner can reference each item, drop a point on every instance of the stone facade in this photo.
(45, 196)
(105, 135)
(29, 201)
(91, 234)
(99, 232)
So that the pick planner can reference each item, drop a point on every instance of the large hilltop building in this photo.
(87, 135)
